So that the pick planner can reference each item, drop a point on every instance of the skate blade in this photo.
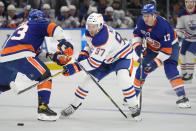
(44, 117)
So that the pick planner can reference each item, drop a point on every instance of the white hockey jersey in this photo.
(186, 22)
(107, 46)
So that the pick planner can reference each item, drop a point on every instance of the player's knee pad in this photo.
(123, 78)
(183, 59)
(190, 57)
(170, 67)
(44, 76)
(87, 82)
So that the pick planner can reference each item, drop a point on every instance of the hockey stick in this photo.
(100, 87)
(38, 83)
(141, 73)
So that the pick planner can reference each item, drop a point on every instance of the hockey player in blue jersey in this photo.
(21, 63)
(105, 52)
(162, 47)
(186, 30)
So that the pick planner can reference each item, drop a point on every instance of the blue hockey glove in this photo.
(61, 59)
(71, 69)
(83, 55)
(65, 47)
(150, 67)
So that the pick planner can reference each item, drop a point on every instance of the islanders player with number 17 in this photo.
(21, 62)
(161, 47)
(105, 52)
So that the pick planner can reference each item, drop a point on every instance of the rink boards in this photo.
(75, 36)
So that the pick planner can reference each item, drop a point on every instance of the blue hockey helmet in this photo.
(149, 9)
(36, 14)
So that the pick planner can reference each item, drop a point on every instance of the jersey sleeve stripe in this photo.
(96, 60)
(125, 52)
(135, 45)
(167, 50)
(36, 65)
(93, 67)
(17, 48)
(121, 51)
(158, 62)
(94, 63)
(51, 28)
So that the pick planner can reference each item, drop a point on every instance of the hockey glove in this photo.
(83, 55)
(139, 49)
(66, 47)
(71, 69)
(150, 67)
(61, 59)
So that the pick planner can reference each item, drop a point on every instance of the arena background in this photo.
(75, 36)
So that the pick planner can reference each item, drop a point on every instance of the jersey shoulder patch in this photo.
(101, 38)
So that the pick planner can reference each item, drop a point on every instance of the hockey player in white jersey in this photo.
(105, 52)
(186, 29)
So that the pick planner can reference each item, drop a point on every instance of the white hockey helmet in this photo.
(46, 7)
(11, 7)
(1, 4)
(96, 19)
(109, 9)
(64, 9)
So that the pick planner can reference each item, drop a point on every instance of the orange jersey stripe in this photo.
(36, 65)
(176, 82)
(94, 62)
(125, 52)
(80, 93)
(83, 53)
(158, 62)
(131, 69)
(129, 93)
(46, 85)
(50, 29)
(17, 48)
(137, 82)
(167, 50)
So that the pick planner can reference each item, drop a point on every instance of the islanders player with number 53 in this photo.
(105, 52)
(161, 47)
(21, 62)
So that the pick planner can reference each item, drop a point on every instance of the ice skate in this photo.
(134, 112)
(183, 102)
(69, 110)
(45, 113)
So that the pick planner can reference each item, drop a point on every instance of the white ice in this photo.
(159, 110)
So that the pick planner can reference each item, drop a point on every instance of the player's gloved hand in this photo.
(149, 67)
(65, 47)
(60, 58)
(139, 49)
(71, 69)
(83, 55)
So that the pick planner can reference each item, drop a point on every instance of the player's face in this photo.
(92, 28)
(190, 4)
(148, 19)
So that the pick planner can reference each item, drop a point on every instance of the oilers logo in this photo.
(192, 25)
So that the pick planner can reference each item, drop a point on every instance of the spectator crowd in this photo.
(73, 13)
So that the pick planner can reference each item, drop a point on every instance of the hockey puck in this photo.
(20, 124)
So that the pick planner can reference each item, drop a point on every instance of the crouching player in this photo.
(21, 67)
(162, 47)
(104, 53)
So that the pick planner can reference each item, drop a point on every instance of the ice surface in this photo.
(159, 110)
